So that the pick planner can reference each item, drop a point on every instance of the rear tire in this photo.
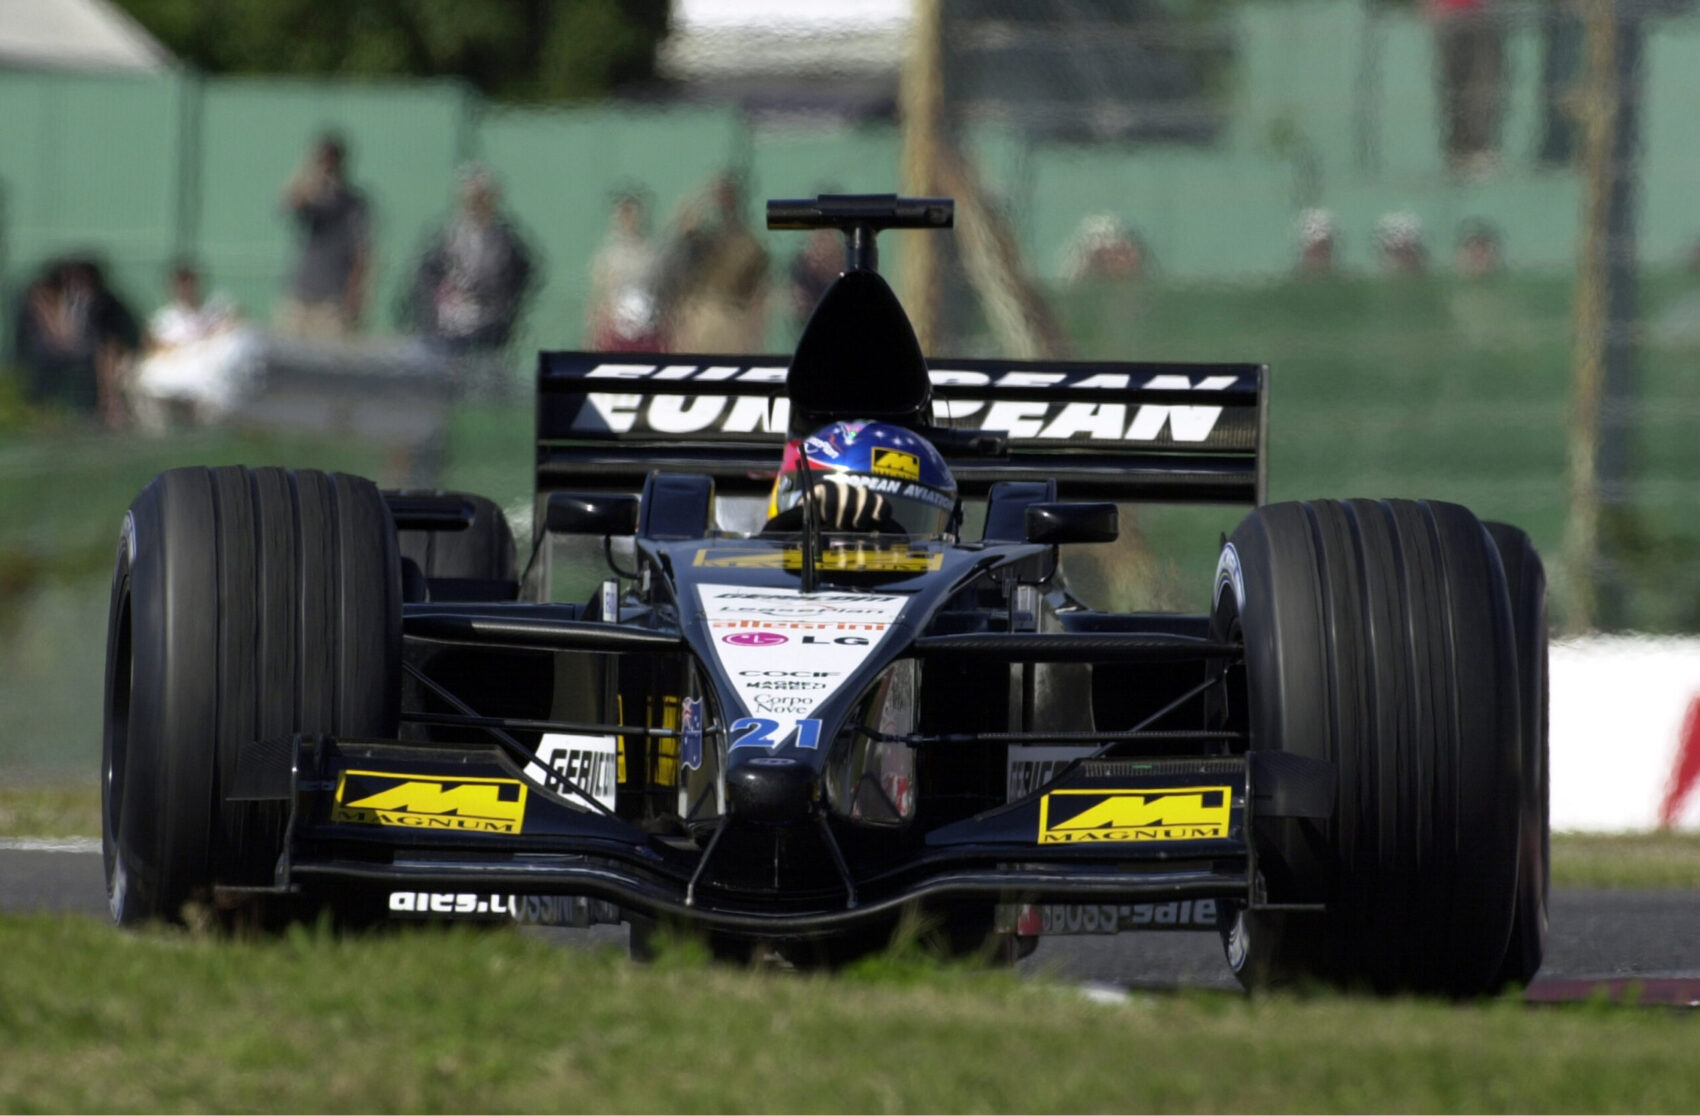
(247, 604)
(1378, 637)
(484, 551)
(1526, 578)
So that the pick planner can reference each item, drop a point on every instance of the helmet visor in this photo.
(847, 501)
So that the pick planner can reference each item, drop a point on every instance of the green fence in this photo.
(92, 163)
(1333, 103)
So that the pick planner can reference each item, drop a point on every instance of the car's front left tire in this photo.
(1525, 578)
(1379, 639)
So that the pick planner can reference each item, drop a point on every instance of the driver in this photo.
(867, 477)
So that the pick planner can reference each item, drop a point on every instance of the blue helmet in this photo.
(868, 476)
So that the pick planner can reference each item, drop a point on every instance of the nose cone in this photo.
(772, 789)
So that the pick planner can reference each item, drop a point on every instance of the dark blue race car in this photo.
(813, 693)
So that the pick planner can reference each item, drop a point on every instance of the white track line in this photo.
(50, 844)
(1098, 992)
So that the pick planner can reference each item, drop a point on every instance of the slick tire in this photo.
(484, 551)
(1379, 637)
(1525, 577)
(247, 604)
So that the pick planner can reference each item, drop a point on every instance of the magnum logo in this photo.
(1069, 817)
(896, 463)
(430, 802)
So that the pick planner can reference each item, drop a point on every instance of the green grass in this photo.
(495, 1021)
(1647, 861)
(50, 811)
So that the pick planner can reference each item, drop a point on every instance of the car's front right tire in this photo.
(247, 604)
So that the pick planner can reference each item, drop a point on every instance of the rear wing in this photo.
(1178, 433)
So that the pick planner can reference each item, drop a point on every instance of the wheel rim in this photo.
(1237, 944)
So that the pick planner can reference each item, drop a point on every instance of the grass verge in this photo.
(50, 812)
(496, 1021)
(1645, 861)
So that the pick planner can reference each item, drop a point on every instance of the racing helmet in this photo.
(867, 476)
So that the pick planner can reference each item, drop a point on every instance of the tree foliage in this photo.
(509, 49)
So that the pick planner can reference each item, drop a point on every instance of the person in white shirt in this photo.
(623, 314)
(199, 356)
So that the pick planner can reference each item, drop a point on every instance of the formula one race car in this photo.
(788, 735)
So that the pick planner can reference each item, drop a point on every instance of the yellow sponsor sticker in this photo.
(852, 561)
(1068, 817)
(897, 463)
(430, 802)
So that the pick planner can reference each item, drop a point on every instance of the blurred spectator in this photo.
(1470, 60)
(471, 284)
(714, 277)
(1103, 247)
(1399, 244)
(1318, 241)
(198, 358)
(1561, 66)
(1102, 268)
(1478, 254)
(816, 265)
(328, 292)
(41, 345)
(189, 315)
(623, 315)
(74, 339)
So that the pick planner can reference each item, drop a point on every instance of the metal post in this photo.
(861, 249)
(1366, 92)
(186, 219)
(1620, 390)
(922, 97)
(1603, 385)
(1598, 112)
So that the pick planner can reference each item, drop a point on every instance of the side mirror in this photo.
(1072, 523)
(579, 513)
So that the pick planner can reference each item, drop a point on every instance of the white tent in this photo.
(76, 34)
(733, 38)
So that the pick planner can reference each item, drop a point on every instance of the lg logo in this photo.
(755, 639)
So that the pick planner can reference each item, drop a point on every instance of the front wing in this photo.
(436, 830)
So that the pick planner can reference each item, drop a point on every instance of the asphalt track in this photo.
(1640, 943)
